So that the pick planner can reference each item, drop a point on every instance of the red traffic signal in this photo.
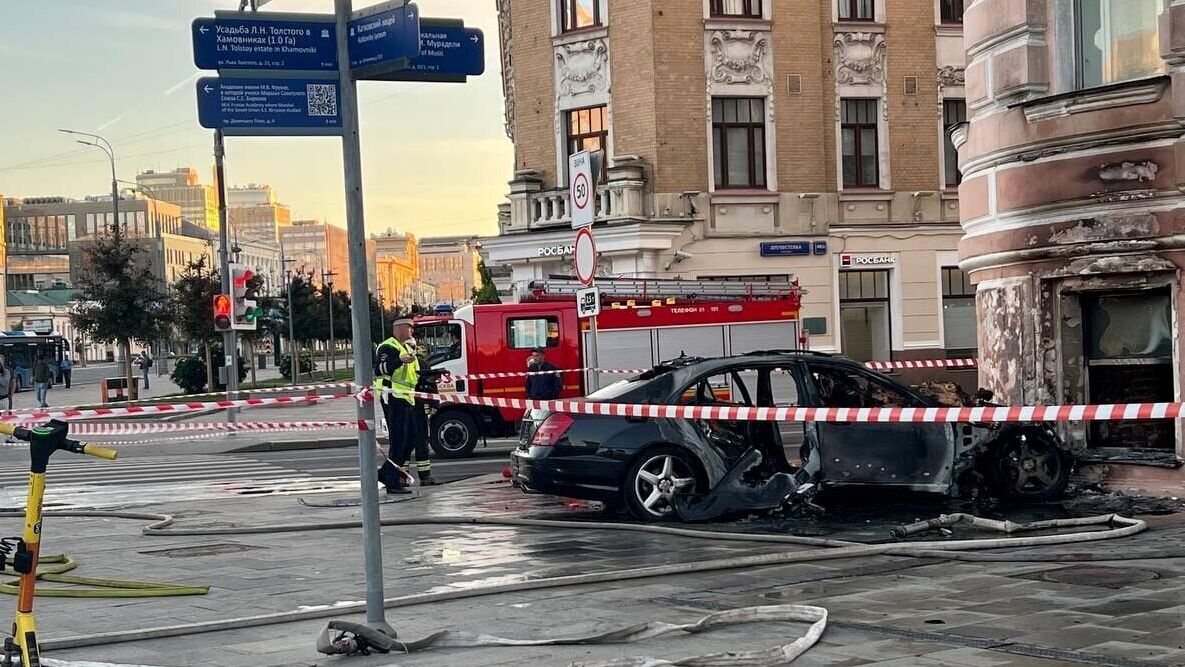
(222, 308)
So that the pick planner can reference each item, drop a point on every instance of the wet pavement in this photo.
(885, 610)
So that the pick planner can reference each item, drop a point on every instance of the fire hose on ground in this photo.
(1115, 526)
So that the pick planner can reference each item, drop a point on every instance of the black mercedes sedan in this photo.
(699, 469)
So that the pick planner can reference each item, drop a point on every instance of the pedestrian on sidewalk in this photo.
(7, 383)
(42, 379)
(67, 367)
(396, 372)
(144, 361)
(545, 387)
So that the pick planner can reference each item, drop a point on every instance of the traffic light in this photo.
(222, 312)
(246, 312)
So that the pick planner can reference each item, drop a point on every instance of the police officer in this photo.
(397, 369)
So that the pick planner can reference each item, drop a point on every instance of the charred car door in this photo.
(914, 455)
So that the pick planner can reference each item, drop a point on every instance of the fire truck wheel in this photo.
(656, 477)
(454, 434)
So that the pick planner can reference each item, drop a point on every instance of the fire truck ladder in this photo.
(644, 288)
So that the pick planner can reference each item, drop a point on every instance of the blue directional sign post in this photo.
(242, 106)
(383, 37)
(449, 52)
(249, 42)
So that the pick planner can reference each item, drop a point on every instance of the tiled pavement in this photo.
(884, 610)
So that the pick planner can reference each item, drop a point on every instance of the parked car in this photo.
(696, 469)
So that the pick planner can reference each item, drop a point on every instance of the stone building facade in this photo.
(1072, 210)
(750, 140)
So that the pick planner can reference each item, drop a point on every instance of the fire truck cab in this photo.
(642, 323)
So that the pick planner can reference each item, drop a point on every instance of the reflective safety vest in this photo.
(403, 378)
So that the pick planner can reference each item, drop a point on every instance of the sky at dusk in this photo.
(435, 157)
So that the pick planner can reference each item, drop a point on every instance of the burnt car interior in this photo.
(742, 387)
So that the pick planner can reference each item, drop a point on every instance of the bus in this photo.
(21, 348)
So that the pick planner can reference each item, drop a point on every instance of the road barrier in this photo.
(1007, 413)
(172, 408)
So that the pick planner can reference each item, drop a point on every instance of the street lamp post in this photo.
(292, 353)
(327, 281)
(154, 222)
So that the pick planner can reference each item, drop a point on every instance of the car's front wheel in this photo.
(656, 478)
(1030, 465)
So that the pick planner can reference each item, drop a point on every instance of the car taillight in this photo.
(551, 430)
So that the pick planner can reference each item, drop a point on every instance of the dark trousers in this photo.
(66, 376)
(419, 440)
(400, 429)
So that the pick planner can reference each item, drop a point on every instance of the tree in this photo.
(119, 299)
(307, 317)
(487, 292)
(193, 297)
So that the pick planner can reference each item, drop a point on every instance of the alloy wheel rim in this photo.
(658, 481)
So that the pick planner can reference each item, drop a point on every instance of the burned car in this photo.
(699, 469)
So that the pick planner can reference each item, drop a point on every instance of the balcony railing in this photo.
(531, 207)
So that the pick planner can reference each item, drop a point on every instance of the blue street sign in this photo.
(387, 36)
(820, 247)
(782, 248)
(269, 106)
(448, 53)
(263, 43)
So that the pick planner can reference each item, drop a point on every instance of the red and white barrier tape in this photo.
(171, 408)
(874, 365)
(921, 363)
(20, 412)
(1013, 413)
(127, 428)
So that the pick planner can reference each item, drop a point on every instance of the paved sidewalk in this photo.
(885, 610)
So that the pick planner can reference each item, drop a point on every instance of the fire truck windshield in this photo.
(442, 340)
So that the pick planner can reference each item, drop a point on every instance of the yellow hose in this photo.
(100, 588)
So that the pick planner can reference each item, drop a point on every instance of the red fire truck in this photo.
(642, 323)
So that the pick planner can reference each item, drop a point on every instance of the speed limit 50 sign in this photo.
(582, 192)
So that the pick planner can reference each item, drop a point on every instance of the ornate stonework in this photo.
(739, 56)
(507, 66)
(859, 58)
(582, 68)
(950, 76)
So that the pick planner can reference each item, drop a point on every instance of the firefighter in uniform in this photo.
(397, 368)
(426, 383)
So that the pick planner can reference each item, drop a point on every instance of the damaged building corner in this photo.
(1076, 247)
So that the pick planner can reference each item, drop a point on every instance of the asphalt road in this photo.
(341, 462)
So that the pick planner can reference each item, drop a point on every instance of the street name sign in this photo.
(266, 42)
(261, 107)
(588, 302)
(449, 52)
(582, 193)
(384, 37)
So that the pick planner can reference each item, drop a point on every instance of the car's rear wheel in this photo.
(454, 434)
(1030, 465)
(656, 478)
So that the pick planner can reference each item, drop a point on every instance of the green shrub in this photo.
(189, 373)
(306, 365)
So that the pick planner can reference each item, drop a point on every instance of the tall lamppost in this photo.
(105, 146)
(292, 352)
(327, 282)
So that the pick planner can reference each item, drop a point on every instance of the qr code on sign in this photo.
(322, 99)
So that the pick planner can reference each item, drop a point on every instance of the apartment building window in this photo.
(953, 112)
(952, 11)
(958, 312)
(750, 9)
(579, 14)
(738, 141)
(588, 130)
(856, 10)
(1117, 40)
(858, 132)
